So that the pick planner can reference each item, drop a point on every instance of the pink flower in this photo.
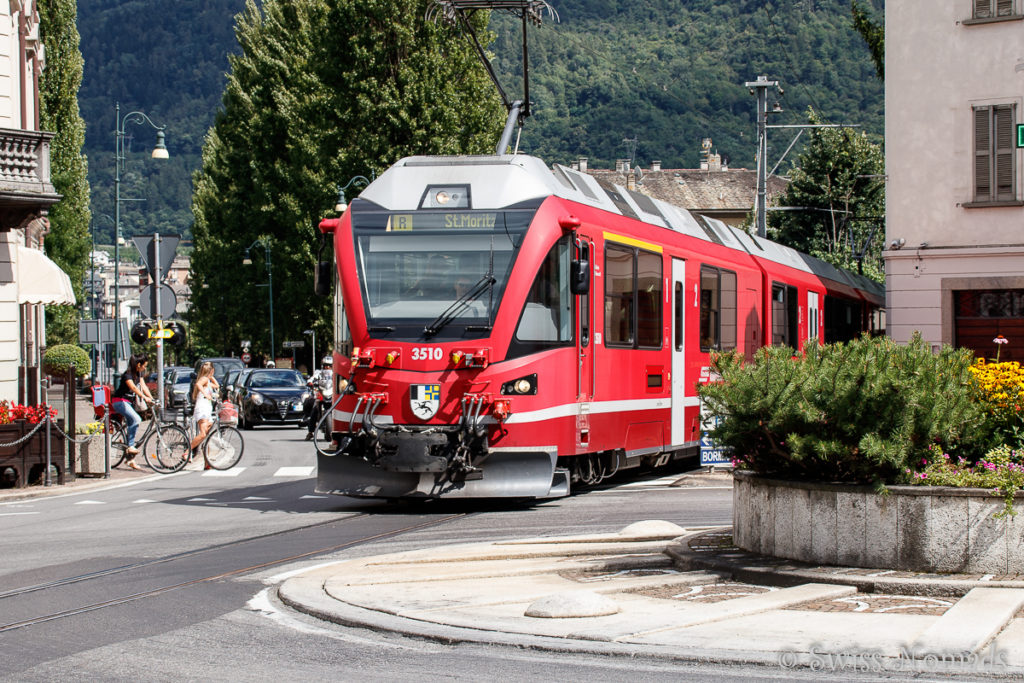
(1000, 339)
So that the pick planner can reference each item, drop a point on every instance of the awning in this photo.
(40, 280)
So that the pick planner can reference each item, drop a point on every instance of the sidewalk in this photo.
(655, 589)
(83, 413)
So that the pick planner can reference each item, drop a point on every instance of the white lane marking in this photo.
(284, 576)
(233, 472)
(304, 497)
(143, 500)
(200, 500)
(11, 514)
(260, 603)
(294, 471)
(256, 498)
(91, 502)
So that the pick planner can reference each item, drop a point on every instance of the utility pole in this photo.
(760, 89)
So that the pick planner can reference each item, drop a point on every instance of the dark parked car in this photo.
(221, 367)
(235, 388)
(176, 387)
(271, 396)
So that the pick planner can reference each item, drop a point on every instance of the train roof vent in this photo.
(580, 182)
(708, 230)
(562, 178)
(646, 204)
(617, 199)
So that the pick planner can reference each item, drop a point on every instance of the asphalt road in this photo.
(168, 578)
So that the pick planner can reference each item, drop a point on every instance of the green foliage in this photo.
(301, 115)
(873, 34)
(58, 359)
(838, 187)
(669, 73)
(861, 412)
(68, 241)
(1002, 469)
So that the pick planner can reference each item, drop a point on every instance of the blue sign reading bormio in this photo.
(712, 454)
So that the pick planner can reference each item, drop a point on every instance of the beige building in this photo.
(28, 279)
(954, 81)
(713, 190)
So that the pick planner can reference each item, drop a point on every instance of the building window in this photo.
(992, 9)
(995, 156)
(717, 309)
(981, 314)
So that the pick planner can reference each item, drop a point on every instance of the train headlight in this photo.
(442, 197)
(524, 386)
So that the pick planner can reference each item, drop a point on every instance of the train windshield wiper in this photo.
(482, 285)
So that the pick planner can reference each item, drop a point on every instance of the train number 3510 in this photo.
(427, 353)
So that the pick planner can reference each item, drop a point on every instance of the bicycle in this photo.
(223, 445)
(169, 452)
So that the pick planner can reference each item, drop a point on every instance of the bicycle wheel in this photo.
(166, 450)
(118, 444)
(223, 447)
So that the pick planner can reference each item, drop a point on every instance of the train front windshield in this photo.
(434, 274)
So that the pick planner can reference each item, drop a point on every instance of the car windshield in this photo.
(269, 379)
(183, 377)
(222, 367)
(414, 266)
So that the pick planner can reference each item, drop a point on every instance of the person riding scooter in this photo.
(321, 384)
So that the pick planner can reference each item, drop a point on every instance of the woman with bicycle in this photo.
(129, 389)
(205, 389)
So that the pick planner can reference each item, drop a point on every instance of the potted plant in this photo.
(835, 449)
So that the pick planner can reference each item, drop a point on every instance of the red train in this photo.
(508, 330)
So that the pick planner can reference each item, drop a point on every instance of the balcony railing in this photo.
(25, 166)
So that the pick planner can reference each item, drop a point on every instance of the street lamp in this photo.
(246, 261)
(312, 332)
(342, 201)
(159, 152)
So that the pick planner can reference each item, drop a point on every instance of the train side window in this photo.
(678, 304)
(547, 314)
(619, 295)
(649, 299)
(717, 309)
(633, 297)
(584, 254)
(784, 315)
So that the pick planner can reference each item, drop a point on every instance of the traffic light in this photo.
(178, 332)
(140, 331)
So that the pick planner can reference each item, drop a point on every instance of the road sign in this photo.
(294, 344)
(246, 343)
(246, 357)
(102, 332)
(146, 244)
(161, 334)
(168, 301)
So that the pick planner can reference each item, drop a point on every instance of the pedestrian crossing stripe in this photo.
(294, 471)
(233, 472)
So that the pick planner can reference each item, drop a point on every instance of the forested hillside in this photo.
(666, 73)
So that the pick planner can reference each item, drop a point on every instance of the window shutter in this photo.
(982, 9)
(1004, 8)
(1005, 150)
(982, 155)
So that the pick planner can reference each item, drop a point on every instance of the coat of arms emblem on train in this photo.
(425, 399)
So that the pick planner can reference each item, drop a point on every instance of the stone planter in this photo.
(89, 460)
(912, 528)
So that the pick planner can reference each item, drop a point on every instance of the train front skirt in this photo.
(522, 473)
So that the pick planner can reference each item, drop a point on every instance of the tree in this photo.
(873, 34)
(322, 91)
(836, 201)
(68, 241)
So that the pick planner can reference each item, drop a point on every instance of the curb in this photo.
(753, 568)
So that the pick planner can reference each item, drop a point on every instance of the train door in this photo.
(678, 345)
(585, 370)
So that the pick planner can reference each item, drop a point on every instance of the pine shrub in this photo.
(859, 412)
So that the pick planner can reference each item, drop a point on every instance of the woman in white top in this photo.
(202, 397)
